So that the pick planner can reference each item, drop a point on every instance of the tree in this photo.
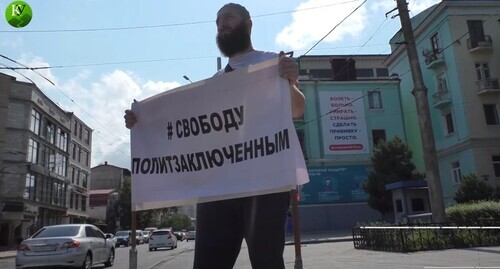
(391, 163)
(125, 204)
(177, 222)
(473, 189)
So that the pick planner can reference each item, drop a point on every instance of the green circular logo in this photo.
(18, 14)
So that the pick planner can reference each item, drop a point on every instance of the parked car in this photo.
(191, 235)
(180, 236)
(146, 235)
(111, 237)
(150, 229)
(123, 238)
(139, 238)
(67, 245)
(162, 238)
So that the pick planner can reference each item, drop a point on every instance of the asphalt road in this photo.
(317, 256)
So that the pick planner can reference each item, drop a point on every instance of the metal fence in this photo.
(424, 237)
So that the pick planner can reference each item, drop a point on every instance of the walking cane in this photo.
(296, 229)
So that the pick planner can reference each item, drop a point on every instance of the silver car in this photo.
(68, 245)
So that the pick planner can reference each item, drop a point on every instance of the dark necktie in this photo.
(228, 68)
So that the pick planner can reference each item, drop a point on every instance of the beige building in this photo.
(44, 162)
(79, 170)
(34, 137)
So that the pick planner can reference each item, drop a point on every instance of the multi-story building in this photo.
(351, 104)
(459, 46)
(79, 170)
(34, 137)
(105, 187)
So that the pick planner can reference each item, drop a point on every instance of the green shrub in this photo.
(475, 213)
(473, 189)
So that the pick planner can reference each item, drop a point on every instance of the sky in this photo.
(104, 54)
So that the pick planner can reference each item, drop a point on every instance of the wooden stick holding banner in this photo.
(296, 229)
(133, 251)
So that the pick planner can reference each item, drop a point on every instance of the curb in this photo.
(319, 241)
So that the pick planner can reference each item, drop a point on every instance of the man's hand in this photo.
(288, 68)
(130, 118)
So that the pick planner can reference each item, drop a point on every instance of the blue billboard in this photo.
(335, 184)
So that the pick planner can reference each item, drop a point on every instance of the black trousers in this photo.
(221, 227)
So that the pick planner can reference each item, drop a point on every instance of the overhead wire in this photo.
(380, 87)
(67, 96)
(164, 25)
(335, 27)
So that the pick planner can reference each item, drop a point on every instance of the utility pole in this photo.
(424, 118)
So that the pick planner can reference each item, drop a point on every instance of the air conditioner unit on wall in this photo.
(483, 44)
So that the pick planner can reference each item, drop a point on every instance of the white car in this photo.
(162, 238)
(68, 245)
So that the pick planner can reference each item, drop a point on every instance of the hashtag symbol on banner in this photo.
(169, 130)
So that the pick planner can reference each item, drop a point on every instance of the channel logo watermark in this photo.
(18, 14)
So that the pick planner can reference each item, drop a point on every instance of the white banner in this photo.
(226, 137)
(344, 129)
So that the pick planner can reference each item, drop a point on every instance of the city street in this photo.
(317, 256)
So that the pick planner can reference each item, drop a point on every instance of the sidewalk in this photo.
(7, 252)
(306, 238)
(321, 237)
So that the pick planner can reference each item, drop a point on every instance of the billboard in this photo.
(343, 123)
(335, 184)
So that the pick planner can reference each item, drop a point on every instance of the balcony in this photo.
(488, 85)
(441, 99)
(433, 58)
(481, 44)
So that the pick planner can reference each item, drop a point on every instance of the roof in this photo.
(406, 184)
(105, 191)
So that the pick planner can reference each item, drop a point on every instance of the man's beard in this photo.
(236, 41)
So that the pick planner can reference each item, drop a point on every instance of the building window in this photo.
(375, 100)
(73, 149)
(73, 175)
(476, 31)
(30, 188)
(496, 165)
(50, 132)
(77, 200)
(456, 173)
(75, 127)
(61, 163)
(84, 179)
(71, 198)
(417, 204)
(48, 158)
(364, 73)
(35, 121)
(378, 135)
(84, 203)
(79, 154)
(78, 177)
(491, 114)
(399, 205)
(442, 86)
(85, 157)
(62, 139)
(435, 44)
(482, 71)
(32, 151)
(86, 136)
(448, 123)
(382, 72)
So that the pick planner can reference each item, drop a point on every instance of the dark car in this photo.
(180, 236)
(123, 238)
